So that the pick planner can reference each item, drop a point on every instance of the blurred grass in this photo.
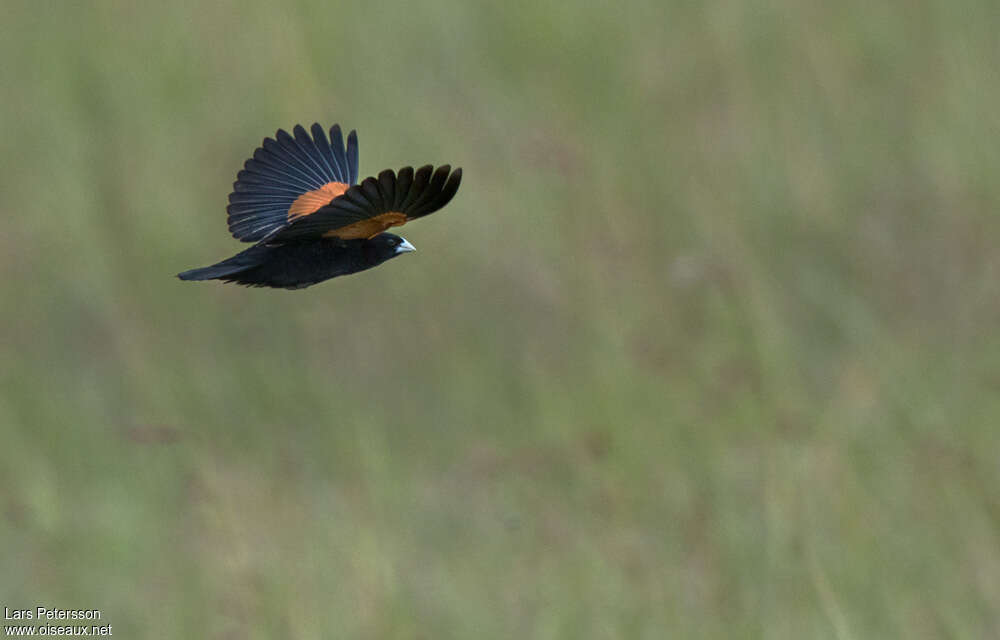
(704, 347)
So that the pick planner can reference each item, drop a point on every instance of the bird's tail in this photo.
(242, 261)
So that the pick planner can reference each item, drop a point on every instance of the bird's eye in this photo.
(391, 242)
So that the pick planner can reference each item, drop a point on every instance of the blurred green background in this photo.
(704, 347)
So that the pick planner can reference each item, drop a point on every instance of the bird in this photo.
(299, 201)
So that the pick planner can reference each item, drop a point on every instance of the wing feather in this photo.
(319, 136)
(352, 158)
(337, 145)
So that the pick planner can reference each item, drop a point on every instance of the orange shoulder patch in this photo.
(368, 228)
(310, 201)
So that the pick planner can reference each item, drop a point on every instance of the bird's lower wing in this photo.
(367, 209)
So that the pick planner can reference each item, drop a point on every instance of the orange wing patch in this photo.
(310, 201)
(368, 228)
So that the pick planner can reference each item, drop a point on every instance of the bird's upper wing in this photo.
(290, 176)
(367, 209)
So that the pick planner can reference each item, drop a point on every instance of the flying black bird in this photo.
(298, 200)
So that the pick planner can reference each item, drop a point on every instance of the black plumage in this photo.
(298, 200)
(298, 264)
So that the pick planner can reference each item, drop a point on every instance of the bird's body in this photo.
(297, 199)
(299, 264)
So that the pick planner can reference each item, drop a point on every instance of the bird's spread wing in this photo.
(290, 176)
(367, 209)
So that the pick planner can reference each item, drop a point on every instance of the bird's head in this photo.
(389, 245)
